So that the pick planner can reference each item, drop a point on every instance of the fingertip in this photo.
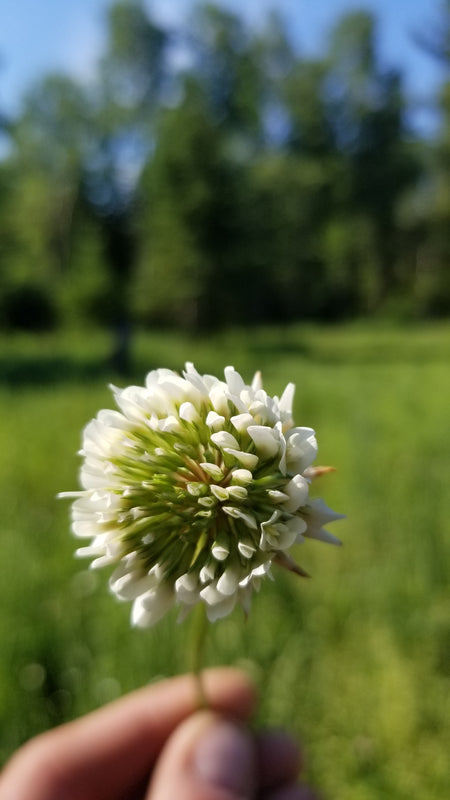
(280, 758)
(230, 691)
(208, 757)
(224, 756)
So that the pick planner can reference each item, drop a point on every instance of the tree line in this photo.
(211, 174)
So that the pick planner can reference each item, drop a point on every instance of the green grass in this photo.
(356, 660)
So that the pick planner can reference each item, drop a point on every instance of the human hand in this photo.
(154, 744)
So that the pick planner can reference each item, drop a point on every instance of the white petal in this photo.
(301, 449)
(220, 610)
(207, 502)
(203, 383)
(208, 572)
(189, 413)
(199, 382)
(130, 585)
(215, 421)
(241, 476)
(275, 535)
(278, 535)
(287, 398)
(276, 515)
(85, 528)
(257, 381)
(298, 526)
(217, 605)
(242, 421)
(90, 550)
(237, 513)
(228, 581)
(102, 561)
(224, 439)
(220, 492)
(113, 419)
(276, 496)
(134, 402)
(219, 397)
(246, 547)
(151, 606)
(291, 533)
(322, 535)
(258, 572)
(187, 588)
(170, 425)
(155, 376)
(248, 460)
(320, 514)
(196, 488)
(237, 493)
(221, 547)
(185, 390)
(234, 381)
(297, 490)
(258, 409)
(266, 439)
(214, 472)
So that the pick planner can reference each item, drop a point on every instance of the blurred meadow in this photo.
(211, 193)
(355, 660)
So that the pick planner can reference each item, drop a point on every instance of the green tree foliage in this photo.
(132, 77)
(433, 288)
(227, 66)
(211, 174)
(189, 259)
(42, 218)
(371, 130)
(426, 223)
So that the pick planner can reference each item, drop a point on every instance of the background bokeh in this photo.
(208, 170)
(210, 191)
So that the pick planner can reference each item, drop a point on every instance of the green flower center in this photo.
(185, 500)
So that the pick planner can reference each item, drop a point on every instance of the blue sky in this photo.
(39, 36)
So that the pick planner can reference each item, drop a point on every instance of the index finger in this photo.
(110, 751)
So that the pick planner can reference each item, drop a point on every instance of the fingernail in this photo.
(224, 757)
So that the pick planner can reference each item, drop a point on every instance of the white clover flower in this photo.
(194, 489)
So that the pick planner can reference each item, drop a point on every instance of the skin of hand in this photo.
(154, 744)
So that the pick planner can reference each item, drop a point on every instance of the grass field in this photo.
(356, 660)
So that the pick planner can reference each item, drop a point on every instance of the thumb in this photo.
(208, 757)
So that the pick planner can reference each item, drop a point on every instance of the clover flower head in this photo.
(193, 489)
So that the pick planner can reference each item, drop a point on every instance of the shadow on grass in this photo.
(44, 370)
(27, 363)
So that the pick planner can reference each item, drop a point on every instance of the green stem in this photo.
(200, 624)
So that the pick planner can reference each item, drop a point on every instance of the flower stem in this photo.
(200, 623)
